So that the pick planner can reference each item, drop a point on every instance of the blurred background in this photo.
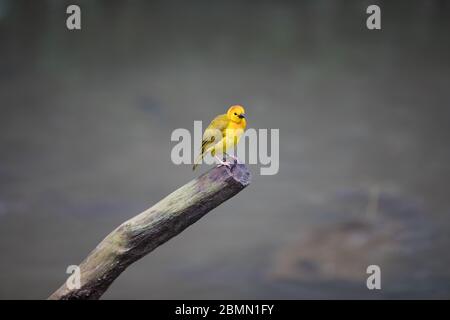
(86, 118)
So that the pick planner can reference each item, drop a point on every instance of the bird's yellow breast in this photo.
(231, 137)
(237, 125)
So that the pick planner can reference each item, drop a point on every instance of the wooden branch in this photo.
(136, 237)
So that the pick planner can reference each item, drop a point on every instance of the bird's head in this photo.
(236, 113)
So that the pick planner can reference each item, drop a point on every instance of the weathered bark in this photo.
(136, 237)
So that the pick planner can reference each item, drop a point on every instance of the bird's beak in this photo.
(241, 115)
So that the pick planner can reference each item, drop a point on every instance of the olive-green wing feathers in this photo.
(211, 135)
(214, 131)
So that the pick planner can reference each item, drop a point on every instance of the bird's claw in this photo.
(224, 163)
(236, 160)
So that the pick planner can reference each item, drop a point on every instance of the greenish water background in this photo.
(86, 118)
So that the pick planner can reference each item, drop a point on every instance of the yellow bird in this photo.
(223, 134)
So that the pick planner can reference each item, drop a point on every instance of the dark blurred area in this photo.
(86, 118)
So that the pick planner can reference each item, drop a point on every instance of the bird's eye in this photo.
(235, 114)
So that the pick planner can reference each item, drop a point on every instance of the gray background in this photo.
(86, 118)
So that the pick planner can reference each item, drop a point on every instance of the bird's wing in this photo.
(218, 124)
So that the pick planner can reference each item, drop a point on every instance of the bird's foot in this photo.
(223, 163)
(236, 159)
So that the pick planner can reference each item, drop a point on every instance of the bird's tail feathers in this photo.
(197, 161)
